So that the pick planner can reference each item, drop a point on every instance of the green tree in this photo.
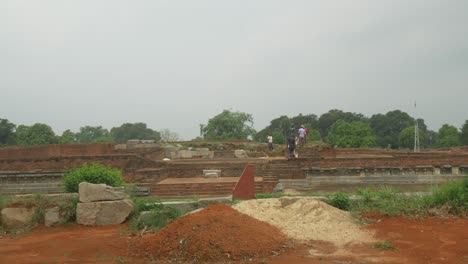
(406, 138)
(91, 134)
(313, 135)
(354, 134)
(464, 134)
(310, 121)
(167, 135)
(37, 134)
(7, 132)
(326, 120)
(67, 137)
(134, 131)
(278, 138)
(448, 136)
(387, 127)
(284, 125)
(229, 125)
(431, 138)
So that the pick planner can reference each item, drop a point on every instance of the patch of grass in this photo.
(453, 194)
(4, 201)
(155, 219)
(340, 200)
(387, 201)
(387, 245)
(68, 209)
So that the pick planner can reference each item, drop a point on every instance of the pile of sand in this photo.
(306, 218)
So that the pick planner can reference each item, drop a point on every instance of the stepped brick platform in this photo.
(198, 187)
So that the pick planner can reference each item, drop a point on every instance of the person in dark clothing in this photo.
(291, 140)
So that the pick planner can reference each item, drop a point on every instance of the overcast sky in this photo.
(175, 64)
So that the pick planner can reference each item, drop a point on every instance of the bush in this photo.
(340, 200)
(155, 219)
(454, 194)
(94, 173)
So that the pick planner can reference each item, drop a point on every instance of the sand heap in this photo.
(216, 234)
(306, 218)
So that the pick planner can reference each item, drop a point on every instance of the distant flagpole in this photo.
(416, 131)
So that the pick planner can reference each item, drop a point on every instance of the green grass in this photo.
(387, 201)
(158, 217)
(387, 245)
(453, 194)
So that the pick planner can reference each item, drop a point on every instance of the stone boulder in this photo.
(240, 154)
(103, 213)
(13, 218)
(89, 192)
(52, 216)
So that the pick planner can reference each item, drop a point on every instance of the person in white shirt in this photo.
(270, 142)
(302, 135)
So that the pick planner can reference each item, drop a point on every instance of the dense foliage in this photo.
(406, 138)
(7, 132)
(37, 134)
(94, 173)
(351, 135)
(448, 136)
(464, 134)
(134, 131)
(229, 125)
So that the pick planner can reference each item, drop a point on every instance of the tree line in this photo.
(41, 134)
(394, 129)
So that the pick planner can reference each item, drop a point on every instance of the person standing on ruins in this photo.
(270, 142)
(302, 135)
(291, 140)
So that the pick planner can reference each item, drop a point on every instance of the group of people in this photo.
(292, 141)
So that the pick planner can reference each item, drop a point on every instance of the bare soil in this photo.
(430, 240)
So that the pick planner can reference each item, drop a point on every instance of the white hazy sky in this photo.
(175, 64)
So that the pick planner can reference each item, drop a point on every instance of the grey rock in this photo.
(13, 218)
(52, 216)
(240, 154)
(279, 188)
(90, 192)
(103, 213)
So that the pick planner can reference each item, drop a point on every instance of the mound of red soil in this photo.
(215, 234)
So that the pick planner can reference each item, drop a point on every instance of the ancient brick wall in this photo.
(49, 151)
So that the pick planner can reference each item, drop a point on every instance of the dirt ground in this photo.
(431, 240)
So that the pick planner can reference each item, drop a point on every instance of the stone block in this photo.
(185, 154)
(53, 217)
(103, 213)
(90, 192)
(211, 173)
(240, 154)
(13, 218)
(120, 147)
